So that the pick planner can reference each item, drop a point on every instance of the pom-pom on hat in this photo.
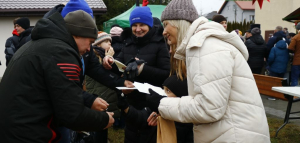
(74, 5)
(102, 36)
(180, 10)
(141, 15)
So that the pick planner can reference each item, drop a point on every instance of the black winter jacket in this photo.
(257, 51)
(10, 48)
(14, 43)
(118, 44)
(137, 129)
(152, 49)
(41, 88)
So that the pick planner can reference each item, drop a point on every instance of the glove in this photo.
(122, 103)
(99, 51)
(153, 100)
(131, 70)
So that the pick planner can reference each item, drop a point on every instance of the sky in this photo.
(207, 6)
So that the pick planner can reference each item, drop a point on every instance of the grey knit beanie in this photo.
(81, 24)
(255, 31)
(298, 26)
(180, 10)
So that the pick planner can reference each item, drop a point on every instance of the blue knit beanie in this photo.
(74, 5)
(141, 15)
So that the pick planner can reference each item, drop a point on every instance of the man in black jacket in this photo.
(22, 26)
(41, 89)
(257, 51)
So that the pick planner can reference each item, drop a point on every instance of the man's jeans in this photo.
(295, 75)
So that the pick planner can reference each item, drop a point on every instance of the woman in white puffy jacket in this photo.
(223, 103)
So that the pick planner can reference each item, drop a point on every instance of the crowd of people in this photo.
(61, 77)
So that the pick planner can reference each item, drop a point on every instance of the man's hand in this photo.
(128, 84)
(111, 120)
(152, 119)
(99, 104)
(107, 62)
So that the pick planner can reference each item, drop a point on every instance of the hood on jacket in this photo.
(53, 27)
(281, 44)
(257, 39)
(280, 33)
(204, 29)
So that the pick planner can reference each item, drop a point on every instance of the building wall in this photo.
(272, 13)
(6, 24)
(229, 12)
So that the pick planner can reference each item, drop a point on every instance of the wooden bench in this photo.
(265, 83)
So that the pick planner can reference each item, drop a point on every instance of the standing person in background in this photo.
(223, 102)
(278, 59)
(9, 44)
(22, 28)
(220, 19)
(117, 43)
(257, 51)
(277, 33)
(102, 47)
(295, 47)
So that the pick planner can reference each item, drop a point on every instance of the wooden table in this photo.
(289, 93)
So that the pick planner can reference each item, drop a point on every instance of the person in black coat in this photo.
(257, 51)
(41, 90)
(143, 41)
(117, 42)
(22, 26)
(175, 87)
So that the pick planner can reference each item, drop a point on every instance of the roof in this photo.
(293, 17)
(40, 7)
(244, 5)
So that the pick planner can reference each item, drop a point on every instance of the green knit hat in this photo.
(80, 23)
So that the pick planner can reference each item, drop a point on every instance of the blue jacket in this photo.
(272, 40)
(279, 57)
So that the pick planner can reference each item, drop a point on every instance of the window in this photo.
(252, 18)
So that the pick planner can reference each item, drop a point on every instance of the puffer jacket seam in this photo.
(243, 77)
(228, 50)
(247, 103)
(214, 80)
(254, 132)
(232, 123)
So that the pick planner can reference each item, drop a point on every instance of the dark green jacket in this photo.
(107, 94)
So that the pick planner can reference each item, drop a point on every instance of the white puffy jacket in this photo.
(223, 103)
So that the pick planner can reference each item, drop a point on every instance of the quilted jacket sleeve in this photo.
(209, 83)
(62, 79)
